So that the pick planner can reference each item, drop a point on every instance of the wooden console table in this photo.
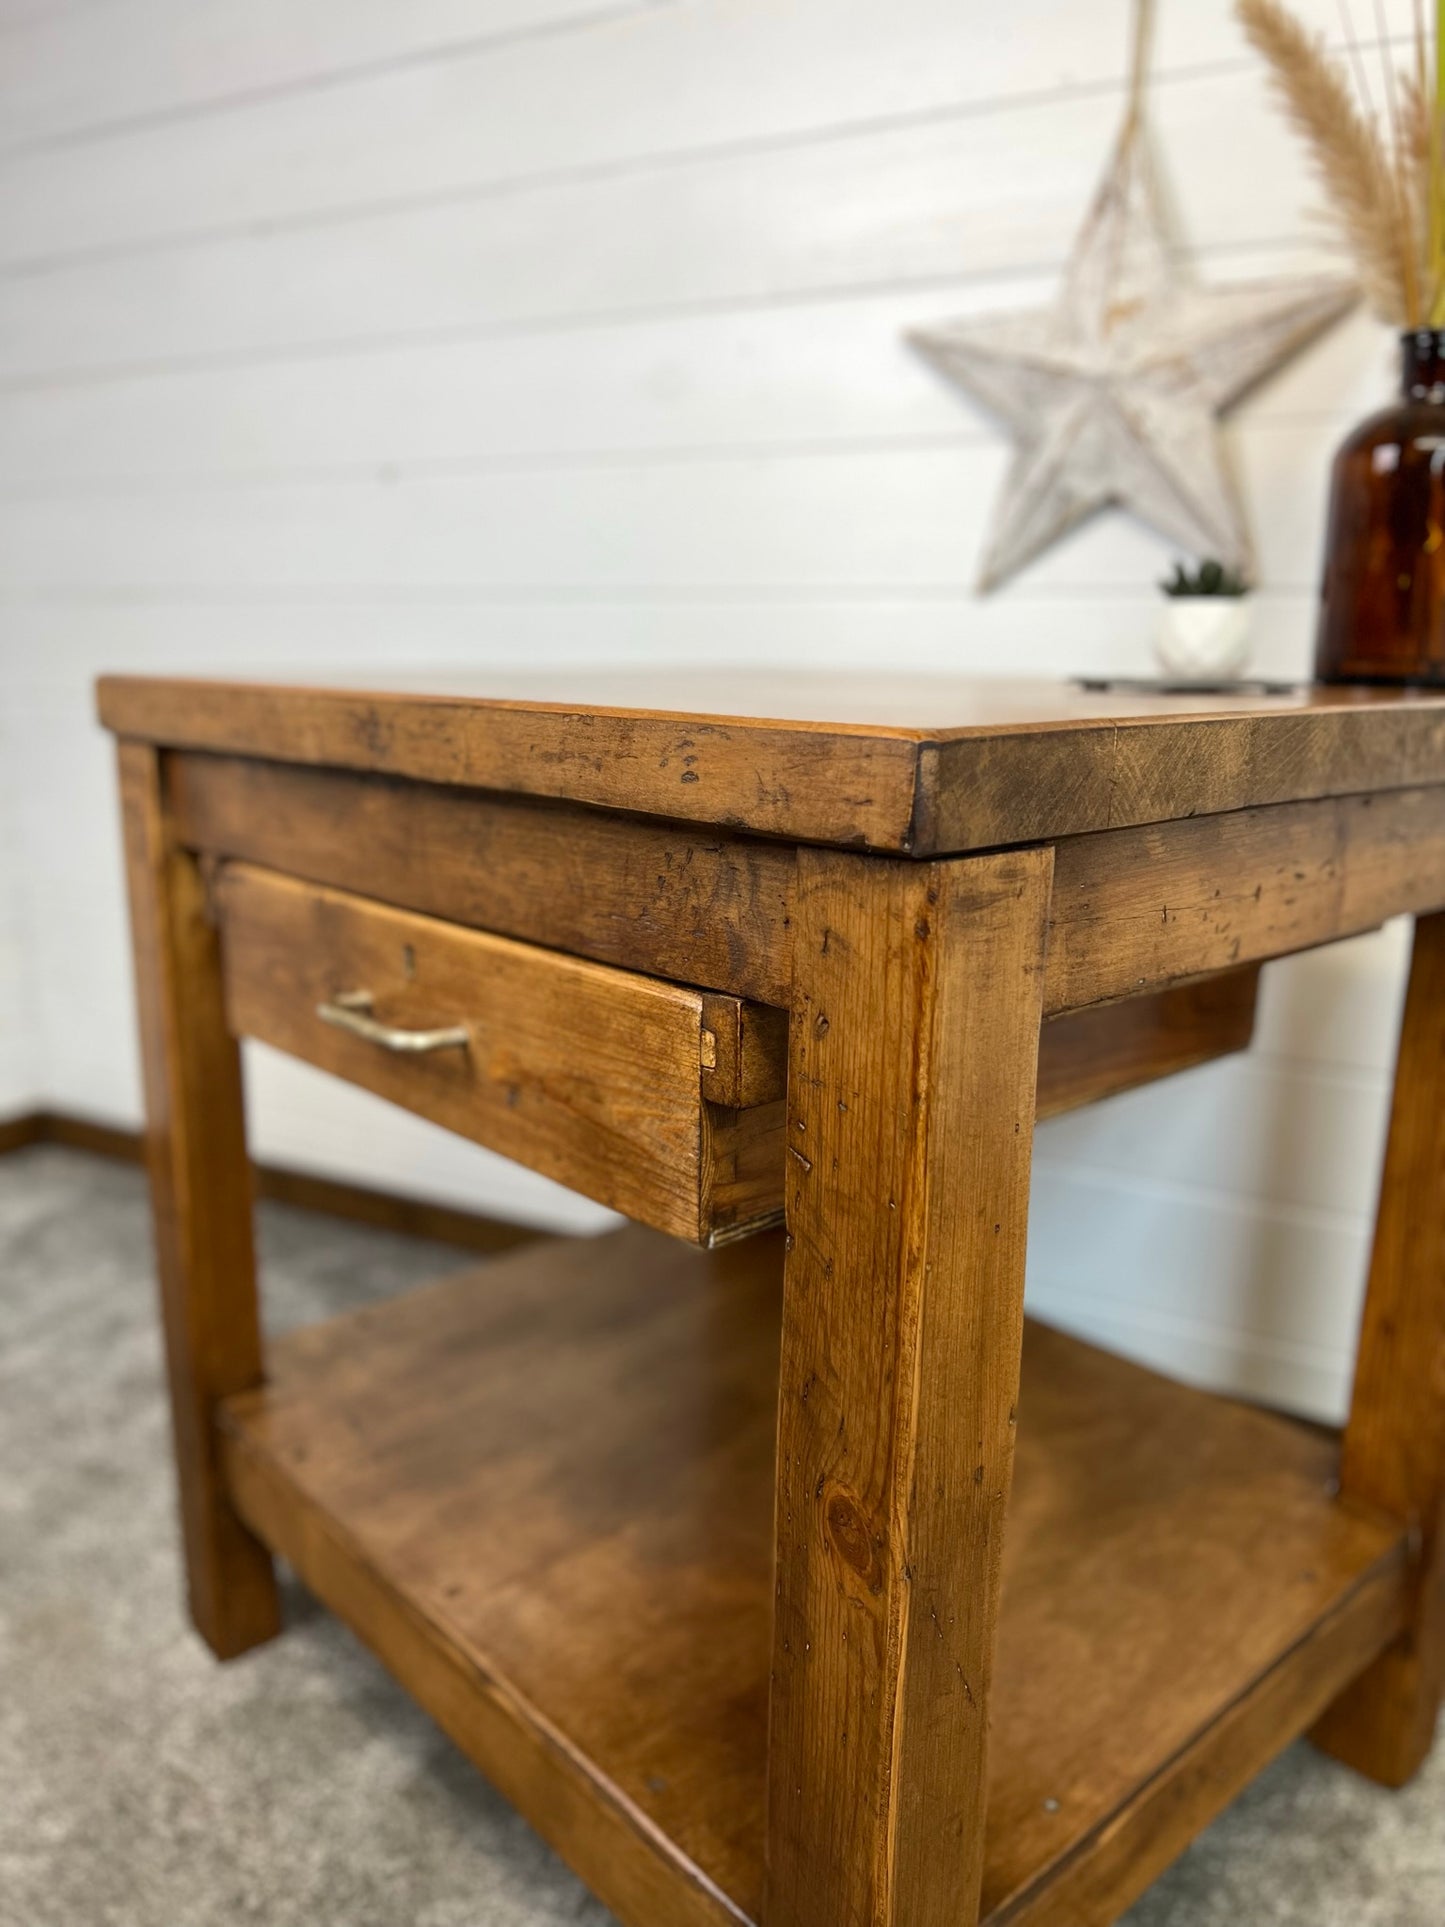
(695, 1542)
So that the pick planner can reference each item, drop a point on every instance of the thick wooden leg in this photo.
(1394, 1449)
(914, 1042)
(201, 1196)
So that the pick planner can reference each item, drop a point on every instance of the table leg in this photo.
(913, 1060)
(201, 1199)
(1394, 1447)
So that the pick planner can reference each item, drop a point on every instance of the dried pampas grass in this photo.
(1383, 185)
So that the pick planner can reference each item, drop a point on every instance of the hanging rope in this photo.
(1142, 44)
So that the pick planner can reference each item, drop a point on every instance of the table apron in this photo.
(1133, 910)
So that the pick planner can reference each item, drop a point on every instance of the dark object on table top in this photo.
(1171, 686)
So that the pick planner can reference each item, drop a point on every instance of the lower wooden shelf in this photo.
(542, 1493)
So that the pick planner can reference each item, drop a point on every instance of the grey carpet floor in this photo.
(141, 1785)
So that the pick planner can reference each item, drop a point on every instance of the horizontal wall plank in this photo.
(19, 1065)
(1340, 1008)
(692, 388)
(647, 88)
(1214, 1353)
(21, 16)
(855, 520)
(65, 639)
(1299, 1139)
(93, 69)
(923, 204)
(1199, 1285)
(19, 1072)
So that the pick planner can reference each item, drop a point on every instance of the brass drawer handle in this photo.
(350, 1010)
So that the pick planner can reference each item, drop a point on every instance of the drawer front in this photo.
(659, 1101)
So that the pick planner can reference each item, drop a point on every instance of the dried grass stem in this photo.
(1383, 185)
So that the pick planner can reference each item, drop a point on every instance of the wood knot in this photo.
(852, 1538)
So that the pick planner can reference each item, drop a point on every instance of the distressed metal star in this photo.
(1113, 393)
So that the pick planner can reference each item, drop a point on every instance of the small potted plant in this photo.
(1204, 626)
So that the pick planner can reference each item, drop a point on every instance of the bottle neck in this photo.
(1422, 365)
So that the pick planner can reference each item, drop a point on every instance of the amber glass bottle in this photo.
(1383, 614)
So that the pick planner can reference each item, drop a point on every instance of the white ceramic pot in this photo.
(1203, 638)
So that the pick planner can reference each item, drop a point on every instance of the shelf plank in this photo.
(542, 1493)
(1111, 1867)
(565, 1470)
(1166, 1549)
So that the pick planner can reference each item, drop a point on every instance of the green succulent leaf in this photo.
(1211, 578)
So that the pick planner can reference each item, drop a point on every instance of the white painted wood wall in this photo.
(19, 1066)
(338, 332)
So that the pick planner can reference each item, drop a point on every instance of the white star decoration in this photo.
(1112, 393)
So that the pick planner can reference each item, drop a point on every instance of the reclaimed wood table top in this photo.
(922, 766)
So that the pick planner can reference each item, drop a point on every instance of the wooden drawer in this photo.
(662, 1102)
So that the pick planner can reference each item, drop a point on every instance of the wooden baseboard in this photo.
(359, 1203)
(17, 1132)
(388, 1211)
(84, 1134)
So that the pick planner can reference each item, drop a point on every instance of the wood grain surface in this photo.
(927, 769)
(542, 1491)
(590, 1075)
(1394, 1451)
(914, 1047)
(715, 977)
(593, 1076)
(707, 909)
(201, 1201)
(1133, 910)
(1090, 1054)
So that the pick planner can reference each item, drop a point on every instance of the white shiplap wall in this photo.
(19, 1085)
(340, 333)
